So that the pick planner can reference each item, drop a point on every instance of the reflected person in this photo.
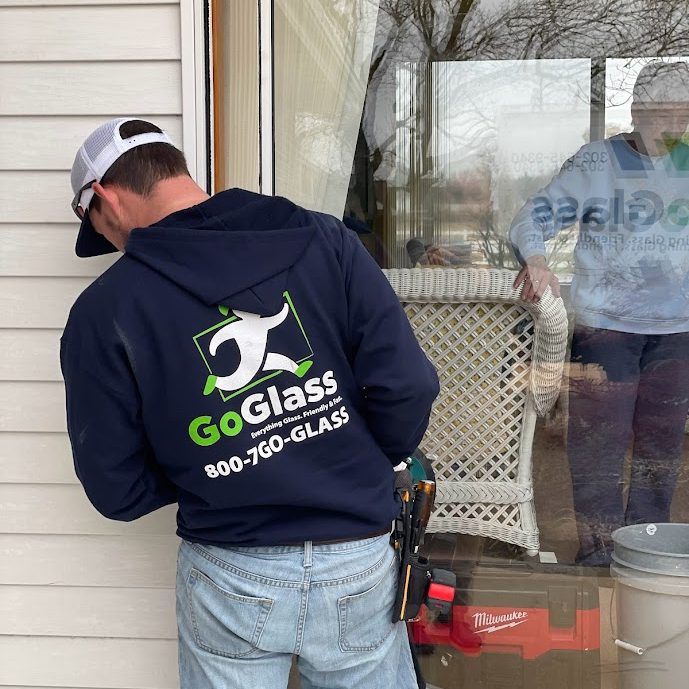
(630, 296)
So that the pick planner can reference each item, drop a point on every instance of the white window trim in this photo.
(266, 94)
(195, 125)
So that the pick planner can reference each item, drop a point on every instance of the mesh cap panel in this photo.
(103, 147)
(101, 138)
(83, 170)
(80, 172)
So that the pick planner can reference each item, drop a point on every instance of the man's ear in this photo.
(636, 113)
(108, 197)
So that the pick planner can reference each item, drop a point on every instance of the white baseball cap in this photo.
(94, 158)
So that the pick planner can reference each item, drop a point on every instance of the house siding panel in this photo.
(26, 34)
(36, 458)
(60, 137)
(92, 598)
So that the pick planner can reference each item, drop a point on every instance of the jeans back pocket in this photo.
(225, 623)
(366, 617)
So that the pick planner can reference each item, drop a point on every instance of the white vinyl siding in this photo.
(35, 458)
(83, 662)
(59, 141)
(78, 33)
(85, 602)
(85, 560)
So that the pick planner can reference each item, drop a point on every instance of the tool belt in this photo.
(419, 584)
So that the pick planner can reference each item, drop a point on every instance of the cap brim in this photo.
(90, 243)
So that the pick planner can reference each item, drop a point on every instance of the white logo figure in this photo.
(251, 335)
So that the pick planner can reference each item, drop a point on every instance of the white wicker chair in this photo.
(500, 364)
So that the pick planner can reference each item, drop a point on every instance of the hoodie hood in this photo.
(234, 250)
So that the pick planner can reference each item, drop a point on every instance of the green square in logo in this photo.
(298, 358)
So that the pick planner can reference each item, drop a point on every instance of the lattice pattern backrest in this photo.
(437, 286)
(482, 352)
(500, 364)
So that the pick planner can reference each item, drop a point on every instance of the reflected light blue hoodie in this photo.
(248, 360)
(631, 260)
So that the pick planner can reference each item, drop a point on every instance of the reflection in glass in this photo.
(321, 72)
(630, 301)
(471, 144)
(426, 124)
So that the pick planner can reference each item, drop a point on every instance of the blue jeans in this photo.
(243, 612)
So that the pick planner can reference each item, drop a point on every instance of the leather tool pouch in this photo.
(419, 580)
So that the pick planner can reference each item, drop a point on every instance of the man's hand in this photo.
(535, 277)
(436, 256)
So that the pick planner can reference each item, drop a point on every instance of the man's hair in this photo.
(662, 82)
(142, 167)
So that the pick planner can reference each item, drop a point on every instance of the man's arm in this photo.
(547, 212)
(398, 382)
(112, 456)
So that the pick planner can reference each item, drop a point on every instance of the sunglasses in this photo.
(82, 200)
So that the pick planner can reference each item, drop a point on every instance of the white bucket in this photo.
(651, 571)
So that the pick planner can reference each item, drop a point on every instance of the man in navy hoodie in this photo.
(246, 359)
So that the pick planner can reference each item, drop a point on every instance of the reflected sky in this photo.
(620, 75)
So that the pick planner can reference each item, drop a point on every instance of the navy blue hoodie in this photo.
(248, 360)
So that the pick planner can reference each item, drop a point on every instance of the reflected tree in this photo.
(417, 34)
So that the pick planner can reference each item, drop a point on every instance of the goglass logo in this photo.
(245, 349)
(636, 212)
